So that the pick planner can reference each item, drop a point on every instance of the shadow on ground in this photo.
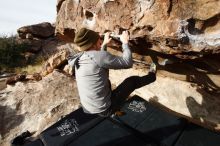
(9, 119)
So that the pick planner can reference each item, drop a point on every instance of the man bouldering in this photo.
(92, 66)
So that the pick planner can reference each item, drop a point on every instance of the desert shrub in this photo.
(11, 52)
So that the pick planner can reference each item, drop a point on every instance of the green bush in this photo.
(14, 56)
(11, 52)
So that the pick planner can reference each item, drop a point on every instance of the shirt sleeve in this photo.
(110, 61)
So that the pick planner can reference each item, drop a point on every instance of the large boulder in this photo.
(34, 106)
(38, 37)
(41, 30)
(184, 33)
(187, 29)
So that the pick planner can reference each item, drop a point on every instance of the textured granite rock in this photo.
(187, 29)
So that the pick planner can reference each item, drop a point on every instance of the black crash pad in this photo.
(69, 128)
(108, 133)
(152, 122)
(36, 142)
(136, 111)
(195, 135)
(142, 125)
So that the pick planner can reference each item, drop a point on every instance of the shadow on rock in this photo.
(9, 119)
(205, 112)
(196, 72)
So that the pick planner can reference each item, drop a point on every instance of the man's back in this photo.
(92, 81)
(91, 68)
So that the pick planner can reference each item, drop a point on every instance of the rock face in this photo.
(34, 105)
(186, 29)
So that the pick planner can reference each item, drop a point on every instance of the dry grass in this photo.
(30, 69)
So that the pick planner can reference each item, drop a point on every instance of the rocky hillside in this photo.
(181, 37)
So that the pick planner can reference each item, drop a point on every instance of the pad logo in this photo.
(137, 106)
(68, 127)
